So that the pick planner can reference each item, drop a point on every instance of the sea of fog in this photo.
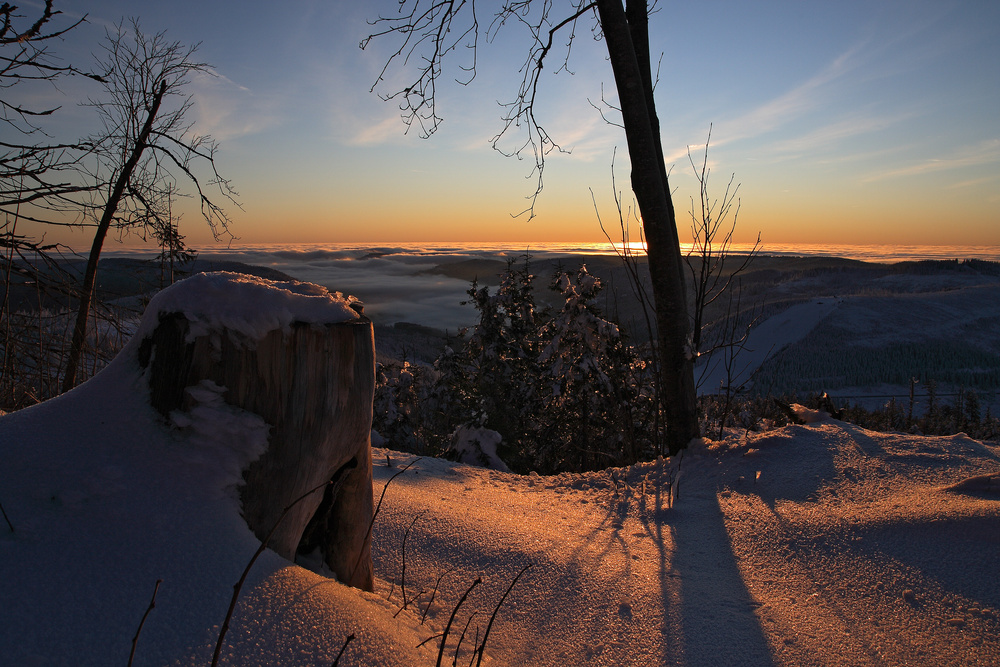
(396, 285)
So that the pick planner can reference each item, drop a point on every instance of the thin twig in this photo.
(472, 658)
(486, 633)
(451, 619)
(371, 523)
(138, 631)
(402, 575)
(238, 586)
(6, 518)
(431, 638)
(423, 616)
(458, 646)
(414, 600)
(347, 641)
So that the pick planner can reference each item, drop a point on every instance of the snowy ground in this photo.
(820, 544)
(812, 545)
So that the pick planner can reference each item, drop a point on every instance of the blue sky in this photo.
(844, 122)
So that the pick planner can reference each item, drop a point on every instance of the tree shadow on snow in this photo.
(708, 614)
(718, 624)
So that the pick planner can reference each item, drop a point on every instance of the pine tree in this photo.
(501, 359)
(583, 382)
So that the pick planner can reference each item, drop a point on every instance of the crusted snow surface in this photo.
(821, 544)
(246, 304)
(816, 544)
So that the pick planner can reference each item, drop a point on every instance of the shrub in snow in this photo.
(493, 379)
(33, 348)
(411, 411)
(562, 390)
(476, 446)
(395, 404)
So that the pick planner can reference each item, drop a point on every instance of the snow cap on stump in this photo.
(247, 304)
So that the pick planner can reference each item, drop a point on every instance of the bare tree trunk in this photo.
(110, 208)
(628, 48)
(314, 386)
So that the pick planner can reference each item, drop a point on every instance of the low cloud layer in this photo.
(401, 283)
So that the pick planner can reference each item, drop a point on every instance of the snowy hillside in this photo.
(811, 545)
(819, 544)
(851, 328)
(862, 331)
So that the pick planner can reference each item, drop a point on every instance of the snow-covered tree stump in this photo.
(303, 360)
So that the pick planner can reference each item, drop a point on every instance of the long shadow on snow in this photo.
(707, 613)
(436, 545)
(700, 579)
(708, 617)
(961, 553)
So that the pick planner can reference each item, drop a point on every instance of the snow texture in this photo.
(246, 304)
(808, 415)
(815, 544)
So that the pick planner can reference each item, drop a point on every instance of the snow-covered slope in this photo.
(821, 544)
(811, 545)
(765, 339)
(105, 499)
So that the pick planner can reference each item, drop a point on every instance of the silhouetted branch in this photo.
(336, 661)
(486, 633)
(371, 523)
(451, 619)
(152, 604)
(432, 31)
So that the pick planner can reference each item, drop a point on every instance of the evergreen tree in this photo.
(585, 380)
(564, 390)
(499, 361)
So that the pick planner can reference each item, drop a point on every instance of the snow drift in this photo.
(816, 544)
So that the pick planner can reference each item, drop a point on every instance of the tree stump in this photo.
(314, 385)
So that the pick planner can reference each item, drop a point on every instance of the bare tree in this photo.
(431, 30)
(716, 276)
(145, 151)
(38, 175)
(632, 262)
(712, 264)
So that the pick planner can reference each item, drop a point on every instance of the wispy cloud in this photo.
(985, 152)
(971, 183)
(798, 101)
(227, 110)
(833, 132)
(821, 110)
(387, 130)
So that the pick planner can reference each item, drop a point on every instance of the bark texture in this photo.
(314, 386)
(627, 38)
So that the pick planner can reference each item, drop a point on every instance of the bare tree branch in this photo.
(709, 255)
(431, 32)
(146, 149)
